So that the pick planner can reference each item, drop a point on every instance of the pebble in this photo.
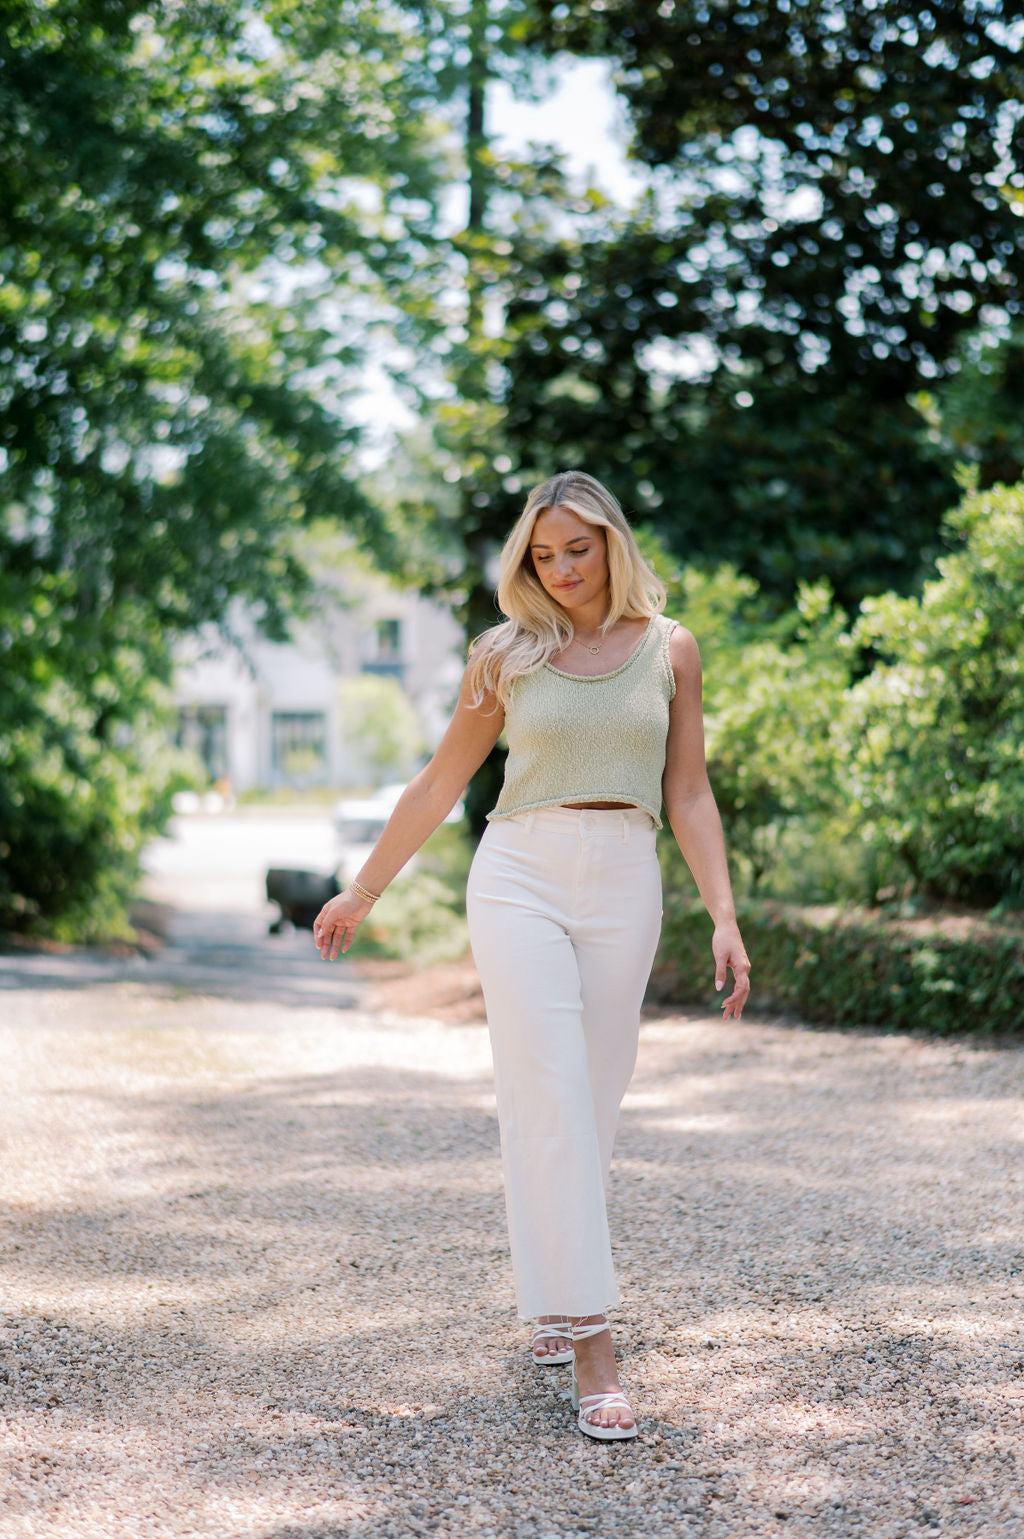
(255, 1283)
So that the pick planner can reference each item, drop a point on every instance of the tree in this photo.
(199, 207)
(381, 733)
(451, 491)
(837, 203)
(975, 417)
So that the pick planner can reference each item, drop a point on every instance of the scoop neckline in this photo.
(593, 678)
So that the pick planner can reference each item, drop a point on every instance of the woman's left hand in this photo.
(729, 953)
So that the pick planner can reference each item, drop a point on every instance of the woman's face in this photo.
(570, 558)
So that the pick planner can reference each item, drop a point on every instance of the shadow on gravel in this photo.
(376, 1168)
(300, 1297)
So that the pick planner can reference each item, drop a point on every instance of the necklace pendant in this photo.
(594, 650)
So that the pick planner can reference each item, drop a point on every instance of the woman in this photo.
(600, 696)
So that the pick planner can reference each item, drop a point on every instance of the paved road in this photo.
(205, 891)
(254, 1283)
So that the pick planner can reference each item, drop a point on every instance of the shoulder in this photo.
(683, 652)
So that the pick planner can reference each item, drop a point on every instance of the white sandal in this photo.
(608, 1400)
(551, 1331)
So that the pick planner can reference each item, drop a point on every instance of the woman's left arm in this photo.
(693, 815)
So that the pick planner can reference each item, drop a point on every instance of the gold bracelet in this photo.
(364, 892)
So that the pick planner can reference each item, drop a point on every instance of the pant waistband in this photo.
(607, 822)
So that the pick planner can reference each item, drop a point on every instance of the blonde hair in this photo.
(538, 627)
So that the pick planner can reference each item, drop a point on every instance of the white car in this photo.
(359, 823)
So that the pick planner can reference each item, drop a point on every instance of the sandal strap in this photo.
(582, 1332)
(604, 1402)
(552, 1330)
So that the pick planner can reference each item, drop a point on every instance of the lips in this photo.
(565, 587)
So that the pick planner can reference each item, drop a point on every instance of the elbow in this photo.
(682, 801)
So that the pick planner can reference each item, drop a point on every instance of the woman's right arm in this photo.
(422, 807)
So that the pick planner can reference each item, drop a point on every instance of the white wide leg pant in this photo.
(564, 914)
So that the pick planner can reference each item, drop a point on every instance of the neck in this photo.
(589, 618)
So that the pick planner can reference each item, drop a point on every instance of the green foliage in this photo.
(421, 917)
(417, 920)
(198, 207)
(837, 206)
(85, 771)
(934, 735)
(880, 762)
(854, 969)
(379, 726)
(181, 196)
(975, 417)
(773, 694)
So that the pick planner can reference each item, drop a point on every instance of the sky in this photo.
(582, 117)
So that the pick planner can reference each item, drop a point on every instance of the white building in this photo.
(264, 715)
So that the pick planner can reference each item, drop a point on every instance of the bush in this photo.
(421, 917)
(933, 760)
(774, 687)
(854, 968)
(86, 773)
(907, 782)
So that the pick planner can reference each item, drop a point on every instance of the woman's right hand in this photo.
(336, 924)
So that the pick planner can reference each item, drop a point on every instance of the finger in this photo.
(733, 1006)
(739, 970)
(351, 926)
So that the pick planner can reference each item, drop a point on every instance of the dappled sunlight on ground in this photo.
(255, 1278)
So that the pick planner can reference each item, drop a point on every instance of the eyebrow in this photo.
(574, 541)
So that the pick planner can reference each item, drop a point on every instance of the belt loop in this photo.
(625, 827)
(529, 822)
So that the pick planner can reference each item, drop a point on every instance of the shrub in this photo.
(933, 762)
(86, 773)
(421, 917)
(774, 687)
(854, 968)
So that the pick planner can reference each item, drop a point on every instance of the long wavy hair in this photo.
(538, 627)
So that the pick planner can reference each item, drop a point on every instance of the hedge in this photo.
(856, 968)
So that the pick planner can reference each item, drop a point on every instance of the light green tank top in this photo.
(573, 738)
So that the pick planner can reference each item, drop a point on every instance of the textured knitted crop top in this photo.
(577, 738)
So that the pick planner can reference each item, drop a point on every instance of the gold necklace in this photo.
(593, 650)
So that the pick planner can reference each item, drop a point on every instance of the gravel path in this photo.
(254, 1279)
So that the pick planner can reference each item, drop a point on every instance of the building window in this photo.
(299, 746)
(389, 641)
(204, 729)
(385, 649)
